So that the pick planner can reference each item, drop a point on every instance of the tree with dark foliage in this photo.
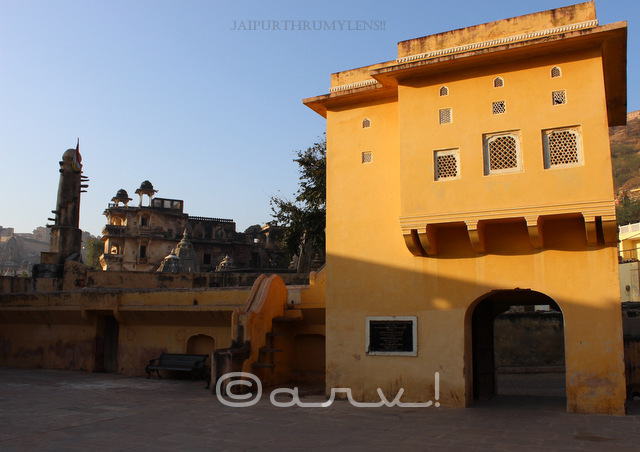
(305, 217)
(94, 250)
(628, 211)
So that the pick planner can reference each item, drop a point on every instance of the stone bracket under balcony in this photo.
(599, 230)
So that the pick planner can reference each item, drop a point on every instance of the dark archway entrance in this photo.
(518, 340)
(201, 344)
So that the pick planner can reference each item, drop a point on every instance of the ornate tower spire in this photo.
(66, 236)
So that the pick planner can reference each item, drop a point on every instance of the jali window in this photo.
(447, 164)
(502, 153)
(559, 97)
(445, 116)
(562, 147)
(499, 107)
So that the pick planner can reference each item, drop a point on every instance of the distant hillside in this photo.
(625, 154)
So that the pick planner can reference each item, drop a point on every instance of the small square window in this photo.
(447, 164)
(559, 97)
(367, 157)
(445, 116)
(499, 107)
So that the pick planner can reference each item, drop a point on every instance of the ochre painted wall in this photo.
(50, 346)
(140, 343)
(527, 92)
(59, 329)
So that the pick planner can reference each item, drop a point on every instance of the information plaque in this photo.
(391, 336)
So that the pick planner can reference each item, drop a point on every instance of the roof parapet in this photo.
(501, 41)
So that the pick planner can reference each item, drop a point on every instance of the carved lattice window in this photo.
(499, 107)
(498, 82)
(447, 164)
(502, 153)
(445, 116)
(556, 72)
(367, 157)
(559, 97)
(562, 147)
(444, 91)
(366, 122)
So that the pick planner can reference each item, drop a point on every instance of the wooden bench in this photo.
(178, 362)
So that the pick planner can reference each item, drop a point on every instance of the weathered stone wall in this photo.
(529, 342)
(139, 343)
(77, 276)
(48, 345)
(65, 330)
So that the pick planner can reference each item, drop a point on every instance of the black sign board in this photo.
(391, 336)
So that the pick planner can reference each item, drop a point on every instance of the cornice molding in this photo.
(501, 41)
(353, 85)
(473, 46)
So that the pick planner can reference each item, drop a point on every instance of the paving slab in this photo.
(73, 411)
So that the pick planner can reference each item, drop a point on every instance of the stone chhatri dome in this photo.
(146, 185)
(121, 196)
(146, 188)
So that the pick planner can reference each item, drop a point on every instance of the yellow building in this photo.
(469, 175)
(629, 237)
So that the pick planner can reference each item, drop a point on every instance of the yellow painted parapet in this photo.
(553, 21)
(355, 78)
(315, 296)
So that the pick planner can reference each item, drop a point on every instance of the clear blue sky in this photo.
(168, 91)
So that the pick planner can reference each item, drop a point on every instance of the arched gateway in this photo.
(512, 346)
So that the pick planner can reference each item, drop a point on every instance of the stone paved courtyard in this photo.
(67, 411)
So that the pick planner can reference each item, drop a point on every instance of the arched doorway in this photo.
(201, 344)
(517, 345)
